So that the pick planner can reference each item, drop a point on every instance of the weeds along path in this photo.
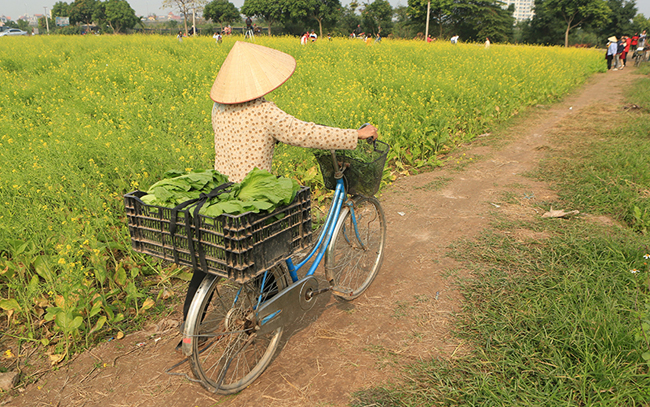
(404, 316)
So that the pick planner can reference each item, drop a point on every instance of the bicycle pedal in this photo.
(342, 292)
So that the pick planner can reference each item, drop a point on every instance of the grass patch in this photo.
(563, 321)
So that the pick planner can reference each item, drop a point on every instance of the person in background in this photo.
(329, 37)
(619, 52)
(454, 39)
(247, 126)
(429, 39)
(628, 42)
(487, 42)
(612, 47)
(635, 40)
(180, 36)
(368, 40)
(304, 39)
(217, 37)
(313, 37)
(357, 31)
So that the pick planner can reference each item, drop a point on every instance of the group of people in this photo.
(617, 49)
(308, 37)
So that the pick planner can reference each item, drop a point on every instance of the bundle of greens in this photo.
(179, 186)
(259, 191)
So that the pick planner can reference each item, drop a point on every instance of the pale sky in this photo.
(15, 9)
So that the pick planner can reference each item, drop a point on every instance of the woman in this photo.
(612, 47)
(247, 126)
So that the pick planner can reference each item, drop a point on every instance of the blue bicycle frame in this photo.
(325, 236)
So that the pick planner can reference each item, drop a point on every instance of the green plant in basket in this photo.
(259, 191)
(363, 167)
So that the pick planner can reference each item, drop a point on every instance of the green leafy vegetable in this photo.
(259, 191)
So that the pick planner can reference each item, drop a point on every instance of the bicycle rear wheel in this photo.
(354, 255)
(227, 354)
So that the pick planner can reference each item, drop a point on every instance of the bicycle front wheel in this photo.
(227, 354)
(356, 251)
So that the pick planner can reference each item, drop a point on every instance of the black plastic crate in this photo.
(361, 176)
(238, 247)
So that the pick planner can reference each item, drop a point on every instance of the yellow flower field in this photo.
(84, 120)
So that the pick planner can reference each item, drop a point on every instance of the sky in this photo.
(15, 9)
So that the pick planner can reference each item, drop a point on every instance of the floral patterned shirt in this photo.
(245, 135)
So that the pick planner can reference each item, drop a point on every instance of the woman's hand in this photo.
(368, 132)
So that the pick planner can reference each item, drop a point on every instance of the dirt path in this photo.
(404, 316)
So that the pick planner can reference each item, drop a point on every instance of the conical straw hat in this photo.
(251, 71)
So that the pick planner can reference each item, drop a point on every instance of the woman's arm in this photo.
(287, 129)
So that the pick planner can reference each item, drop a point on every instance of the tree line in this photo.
(555, 22)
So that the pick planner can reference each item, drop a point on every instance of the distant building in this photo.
(523, 9)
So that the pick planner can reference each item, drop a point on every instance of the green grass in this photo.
(557, 322)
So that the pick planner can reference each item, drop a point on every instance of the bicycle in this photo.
(232, 329)
(639, 56)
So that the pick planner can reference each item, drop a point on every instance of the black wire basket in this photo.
(364, 167)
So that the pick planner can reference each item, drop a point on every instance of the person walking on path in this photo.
(612, 47)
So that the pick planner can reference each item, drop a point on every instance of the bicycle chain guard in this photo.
(287, 305)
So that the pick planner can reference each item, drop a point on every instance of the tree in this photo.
(184, 7)
(349, 18)
(640, 23)
(440, 12)
(81, 11)
(272, 11)
(576, 13)
(323, 11)
(620, 19)
(221, 11)
(479, 19)
(402, 26)
(544, 28)
(120, 15)
(377, 14)
(61, 9)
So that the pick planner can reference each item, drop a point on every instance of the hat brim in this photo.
(251, 71)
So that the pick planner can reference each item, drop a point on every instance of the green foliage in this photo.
(119, 15)
(82, 11)
(323, 11)
(259, 191)
(272, 11)
(221, 11)
(376, 15)
(441, 14)
(61, 9)
(481, 19)
(620, 19)
(179, 186)
(576, 13)
(640, 23)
